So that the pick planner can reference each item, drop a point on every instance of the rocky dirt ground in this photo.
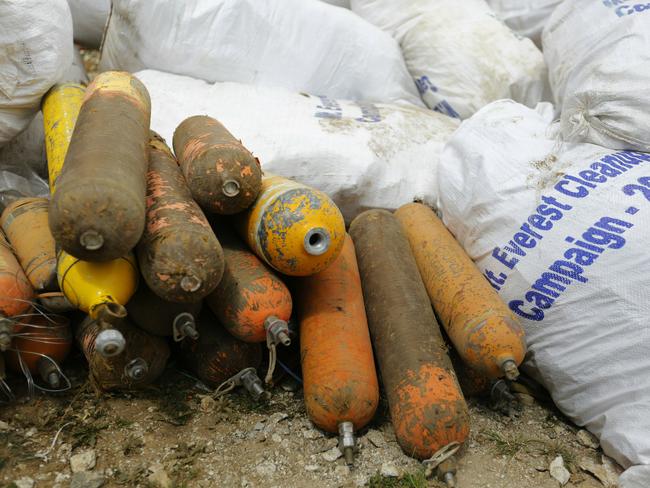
(175, 434)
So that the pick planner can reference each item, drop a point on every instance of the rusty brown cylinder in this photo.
(180, 257)
(486, 334)
(157, 316)
(98, 210)
(427, 408)
(142, 361)
(217, 356)
(339, 379)
(25, 223)
(222, 174)
(16, 292)
(249, 292)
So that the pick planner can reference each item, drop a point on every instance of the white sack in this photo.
(89, 19)
(361, 154)
(35, 51)
(526, 17)
(301, 45)
(459, 54)
(598, 54)
(338, 3)
(562, 231)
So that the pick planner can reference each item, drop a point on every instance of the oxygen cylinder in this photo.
(426, 405)
(162, 318)
(16, 293)
(249, 293)
(61, 107)
(338, 369)
(101, 290)
(180, 257)
(217, 356)
(98, 210)
(482, 329)
(25, 224)
(142, 361)
(295, 229)
(223, 176)
(41, 343)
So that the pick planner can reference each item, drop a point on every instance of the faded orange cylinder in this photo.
(482, 329)
(25, 223)
(222, 174)
(249, 292)
(339, 379)
(43, 343)
(16, 292)
(427, 408)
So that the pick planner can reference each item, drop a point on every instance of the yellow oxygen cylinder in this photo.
(296, 229)
(100, 289)
(61, 107)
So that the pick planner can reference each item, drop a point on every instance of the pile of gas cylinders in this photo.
(198, 247)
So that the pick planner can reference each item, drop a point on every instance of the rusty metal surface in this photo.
(101, 189)
(427, 408)
(179, 255)
(249, 291)
(211, 157)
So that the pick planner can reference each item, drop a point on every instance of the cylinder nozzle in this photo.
(49, 372)
(347, 441)
(91, 240)
(317, 241)
(110, 342)
(248, 379)
(190, 283)
(136, 369)
(447, 472)
(510, 370)
(184, 326)
(231, 188)
(277, 331)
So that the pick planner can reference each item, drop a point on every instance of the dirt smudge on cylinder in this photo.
(427, 408)
(179, 255)
(249, 291)
(223, 176)
(97, 212)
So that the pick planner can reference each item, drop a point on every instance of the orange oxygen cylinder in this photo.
(141, 362)
(26, 226)
(426, 405)
(339, 379)
(41, 343)
(220, 360)
(222, 174)
(482, 329)
(250, 298)
(16, 293)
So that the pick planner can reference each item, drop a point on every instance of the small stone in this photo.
(332, 454)
(389, 470)
(61, 477)
(587, 439)
(266, 468)
(259, 426)
(311, 467)
(83, 461)
(341, 471)
(4, 426)
(31, 432)
(87, 479)
(207, 403)
(277, 417)
(558, 471)
(158, 477)
(376, 438)
(311, 434)
(276, 438)
(24, 482)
